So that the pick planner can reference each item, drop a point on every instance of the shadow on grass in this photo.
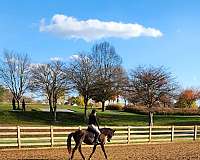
(123, 119)
(77, 118)
(68, 119)
(191, 123)
(177, 120)
(40, 118)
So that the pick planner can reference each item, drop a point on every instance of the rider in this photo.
(94, 126)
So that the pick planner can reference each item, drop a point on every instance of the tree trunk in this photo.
(150, 118)
(13, 104)
(125, 102)
(55, 114)
(103, 106)
(54, 107)
(18, 104)
(117, 99)
(85, 113)
(50, 106)
(85, 110)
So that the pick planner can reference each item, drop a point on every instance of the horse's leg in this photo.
(94, 148)
(79, 148)
(74, 149)
(103, 149)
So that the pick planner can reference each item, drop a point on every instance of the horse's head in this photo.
(110, 135)
(108, 132)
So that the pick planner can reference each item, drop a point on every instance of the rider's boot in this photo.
(96, 140)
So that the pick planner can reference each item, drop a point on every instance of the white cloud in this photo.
(74, 57)
(56, 59)
(94, 29)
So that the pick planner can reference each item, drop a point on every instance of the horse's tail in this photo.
(69, 148)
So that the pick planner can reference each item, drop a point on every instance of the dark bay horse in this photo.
(88, 138)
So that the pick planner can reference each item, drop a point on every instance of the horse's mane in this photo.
(107, 130)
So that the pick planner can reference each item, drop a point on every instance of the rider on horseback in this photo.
(94, 126)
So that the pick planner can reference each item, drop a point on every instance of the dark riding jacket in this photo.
(93, 120)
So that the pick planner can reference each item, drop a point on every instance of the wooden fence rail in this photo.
(53, 136)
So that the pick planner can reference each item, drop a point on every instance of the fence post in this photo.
(129, 134)
(52, 139)
(150, 132)
(79, 128)
(195, 133)
(18, 137)
(172, 133)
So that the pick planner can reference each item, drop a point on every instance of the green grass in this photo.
(34, 116)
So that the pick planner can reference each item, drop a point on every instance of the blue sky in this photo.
(178, 48)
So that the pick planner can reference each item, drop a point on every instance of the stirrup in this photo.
(96, 142)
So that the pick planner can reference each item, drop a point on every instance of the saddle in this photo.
(102, 137)
(90, 130)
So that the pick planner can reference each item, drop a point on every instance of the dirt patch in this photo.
(168, 151)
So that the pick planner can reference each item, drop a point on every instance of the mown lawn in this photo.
(34, 116)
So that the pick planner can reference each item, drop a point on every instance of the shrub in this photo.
(162, 110)
(136, 109)
(114, 107)
(187, 111)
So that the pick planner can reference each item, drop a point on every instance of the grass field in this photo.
(34, 116)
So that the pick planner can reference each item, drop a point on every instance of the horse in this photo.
(87, 137)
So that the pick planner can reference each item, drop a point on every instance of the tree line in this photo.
(97, 75)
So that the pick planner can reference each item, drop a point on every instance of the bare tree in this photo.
(81, 74)
(14, 72)
(2, 91)
(50, 80)
(107, 65)
(41, 81)
(167, 101)
(149, 85)
(103, 91)
(124, 87)
(5, 95)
